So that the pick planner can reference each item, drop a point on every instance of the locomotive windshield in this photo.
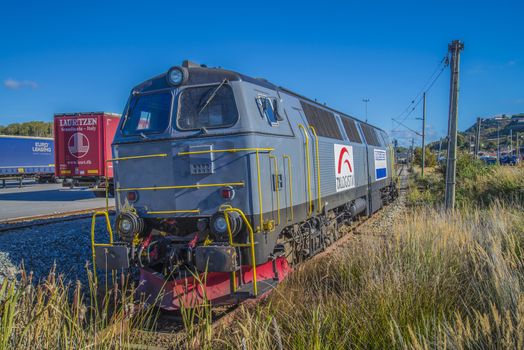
(207, 107)
(148, 114)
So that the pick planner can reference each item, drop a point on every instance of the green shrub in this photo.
(429, 161)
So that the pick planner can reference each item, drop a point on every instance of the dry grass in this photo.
(55, 315)
(440, 281)
(478, 185)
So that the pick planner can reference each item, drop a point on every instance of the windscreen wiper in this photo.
(212, 96)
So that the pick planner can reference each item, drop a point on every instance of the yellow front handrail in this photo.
(319, 209)
(158, 188)
(257, 151)
(259, 184)
(310, 208)
(290, 184)
(94, 244)
(195, 211)
(157, 155)
(228, 150)
(275, 162)
(251, 244)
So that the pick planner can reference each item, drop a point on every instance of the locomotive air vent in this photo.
(201, 163)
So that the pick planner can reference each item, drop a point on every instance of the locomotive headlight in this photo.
(218, 225)
(128, 224)
(177, 75)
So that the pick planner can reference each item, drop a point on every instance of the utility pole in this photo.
(498, 141)
(518, 147)
(366, 100)
(477, 138)
(511, 141)
(423, 134)
(454, 48)
(439, 149)
(412, 153)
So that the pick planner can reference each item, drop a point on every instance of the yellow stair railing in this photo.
(94, 244)
(290, 182)
(308, 169)
(276, 184)
(319, 209)
(251, 245)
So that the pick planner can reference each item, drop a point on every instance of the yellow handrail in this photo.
(276, 188)
(260, 201)
(234, 150)
(93, 244)
(157, 155)
(319, 209)
(290, 184)
(155, 188)
(174, 211)
(310, 208)
(250, 244)
(230, 150)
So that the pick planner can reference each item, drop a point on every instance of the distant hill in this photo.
(505, 125)
(34, 128)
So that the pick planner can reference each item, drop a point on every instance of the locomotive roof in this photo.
(201, 74)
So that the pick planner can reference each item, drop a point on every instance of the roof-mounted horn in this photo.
(190, 64)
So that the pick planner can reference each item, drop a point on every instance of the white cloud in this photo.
(19, 84)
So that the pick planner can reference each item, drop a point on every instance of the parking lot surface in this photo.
(45, 199)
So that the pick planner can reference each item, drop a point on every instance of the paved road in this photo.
(43, 199)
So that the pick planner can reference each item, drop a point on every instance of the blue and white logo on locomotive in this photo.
(381, 164)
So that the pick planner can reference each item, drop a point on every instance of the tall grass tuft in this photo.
(55, 315)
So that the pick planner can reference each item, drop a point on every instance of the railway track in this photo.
(46, 219)
(171, 329)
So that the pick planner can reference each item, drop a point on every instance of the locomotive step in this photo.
(246, 290)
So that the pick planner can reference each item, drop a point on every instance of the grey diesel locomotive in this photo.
(224, 181)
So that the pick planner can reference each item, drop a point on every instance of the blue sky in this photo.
(67, 56)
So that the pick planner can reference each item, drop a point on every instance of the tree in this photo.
(33, 128)
(431, 158)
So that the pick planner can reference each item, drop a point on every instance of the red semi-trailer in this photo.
(82, 146)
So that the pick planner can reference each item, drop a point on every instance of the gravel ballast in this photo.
(65, 245)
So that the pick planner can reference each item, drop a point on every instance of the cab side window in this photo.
(268, 109)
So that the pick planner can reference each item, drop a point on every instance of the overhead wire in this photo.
(419, 97)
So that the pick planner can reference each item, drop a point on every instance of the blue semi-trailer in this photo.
(27, 156)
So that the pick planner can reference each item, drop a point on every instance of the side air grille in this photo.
(323, 121)
(370, 135)
(351, 130)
